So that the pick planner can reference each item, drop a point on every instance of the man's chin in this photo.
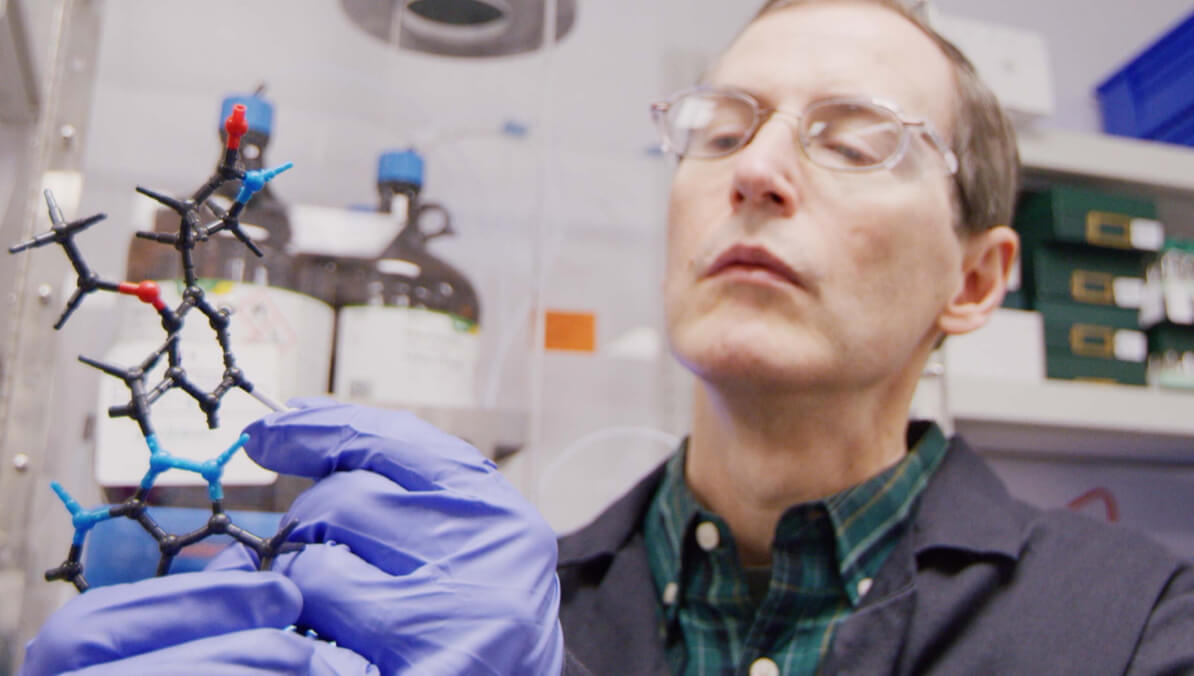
(762, 370)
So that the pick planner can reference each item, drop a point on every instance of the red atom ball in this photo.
(236, 125)
(148, 292)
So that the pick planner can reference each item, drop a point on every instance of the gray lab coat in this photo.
(982, 584)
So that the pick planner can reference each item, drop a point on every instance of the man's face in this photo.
(874, 255)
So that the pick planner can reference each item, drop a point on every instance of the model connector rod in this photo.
(192, 232)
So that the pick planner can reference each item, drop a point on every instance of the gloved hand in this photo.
(227, 622)
(441, 568)
(425, 559)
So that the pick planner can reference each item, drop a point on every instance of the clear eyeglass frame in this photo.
(661, 112)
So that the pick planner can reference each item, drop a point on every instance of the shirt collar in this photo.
(861, 515)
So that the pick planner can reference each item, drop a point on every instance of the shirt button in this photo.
(707, 536)
(670, 592)
(864, 586)
(764, 666)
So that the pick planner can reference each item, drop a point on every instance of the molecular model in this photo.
(191, 232)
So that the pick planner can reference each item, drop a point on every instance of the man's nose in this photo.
(765, 172)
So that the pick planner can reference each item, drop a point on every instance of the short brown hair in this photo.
(983, 137)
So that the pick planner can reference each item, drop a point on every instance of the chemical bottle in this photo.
(338, 278)
(280, 338)
(414, 338)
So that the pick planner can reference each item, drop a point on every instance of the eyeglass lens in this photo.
(838, 135)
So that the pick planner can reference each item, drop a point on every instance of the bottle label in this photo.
(412, 356)
(279, 338)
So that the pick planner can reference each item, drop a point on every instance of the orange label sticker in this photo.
(575, 331)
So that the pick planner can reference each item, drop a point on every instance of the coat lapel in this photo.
(609, 612)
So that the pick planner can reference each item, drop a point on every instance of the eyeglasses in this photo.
(842, 134)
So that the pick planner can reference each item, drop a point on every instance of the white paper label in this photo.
(1131, 345)
(280, 339)
(1128, 291)
(1147, 234)
(412, 356)
(1152, 304)
(1179, 303)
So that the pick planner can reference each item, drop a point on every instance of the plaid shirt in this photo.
(823, 559)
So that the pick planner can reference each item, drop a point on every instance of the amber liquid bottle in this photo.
(416, 341)
(267, 315)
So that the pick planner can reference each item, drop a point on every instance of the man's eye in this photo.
(725, 141)
(722, 141)
(852, 153)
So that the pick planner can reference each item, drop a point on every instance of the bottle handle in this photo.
(425, 208)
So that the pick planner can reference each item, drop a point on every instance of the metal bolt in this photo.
(20, 462)
(44, 293)
(67, 132)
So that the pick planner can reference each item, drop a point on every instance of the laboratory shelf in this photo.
(1093, 420)
(1126, 163)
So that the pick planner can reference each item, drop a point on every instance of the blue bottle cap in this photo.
(259, 113)
(400, 166)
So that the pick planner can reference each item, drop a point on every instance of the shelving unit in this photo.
(1120, 422)
(1159, 169)
(1088, 421)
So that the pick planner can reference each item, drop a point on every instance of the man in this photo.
(840, 206)
(837, 209)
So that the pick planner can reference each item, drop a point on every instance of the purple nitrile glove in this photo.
(229, 622)
(424, 559)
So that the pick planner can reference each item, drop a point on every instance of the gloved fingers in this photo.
(426, 622)
(399, 531)
(112, 623)
(234, 557)
(322, 439)
(348, 601)
(413, 624)
(333, 660)
(393, 529)
(264, 652)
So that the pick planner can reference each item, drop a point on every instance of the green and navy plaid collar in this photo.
(860, 515)
(836, 545)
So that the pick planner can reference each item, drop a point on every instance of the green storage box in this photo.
(1093, 343)
(1016, 300)
(1076, 313)
(1083, 216)
(1086, 275)
(1060, 365)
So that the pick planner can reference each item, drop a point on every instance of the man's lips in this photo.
(752, 258)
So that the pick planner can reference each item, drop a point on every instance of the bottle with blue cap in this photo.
(419, 344)
(438, 285)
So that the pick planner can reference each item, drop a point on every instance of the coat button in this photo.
(707, 536)
(764, 666)
(864, 586)
(670, 592)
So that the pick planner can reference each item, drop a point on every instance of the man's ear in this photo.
(987, 262)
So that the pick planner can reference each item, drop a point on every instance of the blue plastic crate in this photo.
(1152, 97)
(1179, 131)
